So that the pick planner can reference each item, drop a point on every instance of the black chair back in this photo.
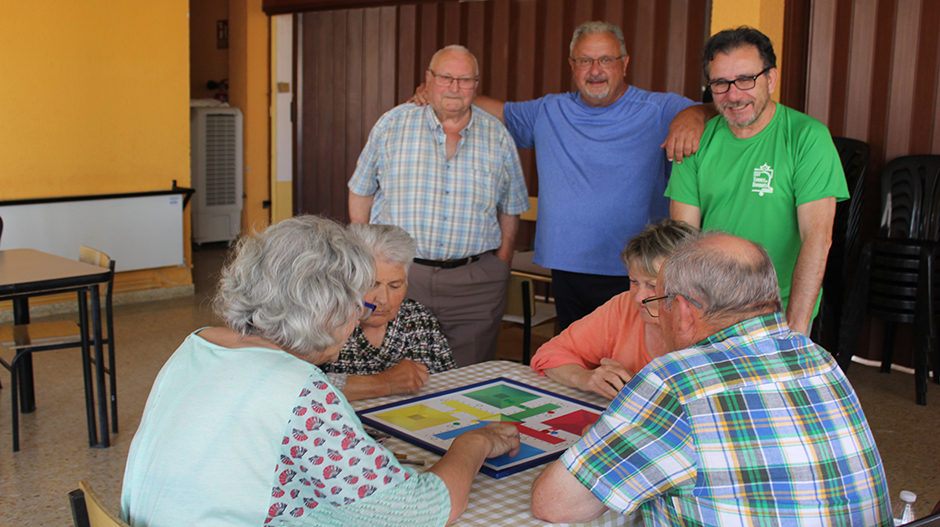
(909, 196)
(855, 156)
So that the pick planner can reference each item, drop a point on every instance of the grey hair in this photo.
(388, 243)
(296, 284)
(456, 47)
(596, 28)
(725, 284)
(657, 241)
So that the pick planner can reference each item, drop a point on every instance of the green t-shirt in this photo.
(752, 187)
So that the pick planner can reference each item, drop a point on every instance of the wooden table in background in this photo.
(26, 273)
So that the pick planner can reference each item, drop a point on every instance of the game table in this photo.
(504, 501)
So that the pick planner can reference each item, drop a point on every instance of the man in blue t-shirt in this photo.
(602, 171)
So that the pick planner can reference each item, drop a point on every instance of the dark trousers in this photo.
(577, 294)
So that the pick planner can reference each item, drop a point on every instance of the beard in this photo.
(596, 92)
(758, 106)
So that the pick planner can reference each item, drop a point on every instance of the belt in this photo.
(448, 264)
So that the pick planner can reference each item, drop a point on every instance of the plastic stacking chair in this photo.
(522, 309)
(89, 511)
(855, 156)
(45, 336)
(898, 273)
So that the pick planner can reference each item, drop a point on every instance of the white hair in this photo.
(458, 48)
(388, 243)
(597, 28)
(296, 284)
(726, 284)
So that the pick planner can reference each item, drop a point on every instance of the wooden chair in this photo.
(522, 260)
(46, 336)
(523, 309)
(89, 511)
(521, 290)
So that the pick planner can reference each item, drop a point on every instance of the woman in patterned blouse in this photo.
(234, 401)
(393, 351)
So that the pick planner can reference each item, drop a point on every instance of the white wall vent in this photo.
(216, 135)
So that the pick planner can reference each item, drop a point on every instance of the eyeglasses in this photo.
(583, 63)
(366, 311)
(745, 82)
(654, 309)
(444, 81)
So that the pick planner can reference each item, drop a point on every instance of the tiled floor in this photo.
(54, 455)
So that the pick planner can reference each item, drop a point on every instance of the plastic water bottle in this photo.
(903, 511)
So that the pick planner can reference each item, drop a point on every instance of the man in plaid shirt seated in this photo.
(744, 422)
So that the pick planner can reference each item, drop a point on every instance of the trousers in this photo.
(468, 302)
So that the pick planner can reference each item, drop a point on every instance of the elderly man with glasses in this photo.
(743, 422)
(602, 171)
(448, 174)
(763, 171)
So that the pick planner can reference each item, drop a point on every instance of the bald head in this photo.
(454, 51)
(733, 278)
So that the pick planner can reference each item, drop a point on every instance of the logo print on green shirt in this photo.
(762, 177)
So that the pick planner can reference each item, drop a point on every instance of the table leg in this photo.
(86, 368)
(105, 439)
(25, 363)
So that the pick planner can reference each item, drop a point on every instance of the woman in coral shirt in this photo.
(603, 350)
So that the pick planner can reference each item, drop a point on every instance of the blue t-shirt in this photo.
(602, 173)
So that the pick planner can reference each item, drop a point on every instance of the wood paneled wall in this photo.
(355, 64)
(874, 75)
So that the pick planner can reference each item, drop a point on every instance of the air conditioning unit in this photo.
(216, 173)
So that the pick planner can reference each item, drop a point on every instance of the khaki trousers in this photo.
(468, 301)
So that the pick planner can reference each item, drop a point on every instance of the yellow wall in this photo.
(765, 15)
(248, 91)
(94, 99)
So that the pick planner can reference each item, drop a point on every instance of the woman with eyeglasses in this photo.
(398, 342)
(602, 351)
(242, 428)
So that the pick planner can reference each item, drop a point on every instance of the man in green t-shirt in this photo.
(763, 171)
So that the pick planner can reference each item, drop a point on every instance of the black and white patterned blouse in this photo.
(413, 334)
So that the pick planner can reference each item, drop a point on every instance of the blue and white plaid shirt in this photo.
(755, 425)
(448, 206)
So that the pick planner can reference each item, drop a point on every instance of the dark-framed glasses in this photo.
(746, 82)
(583, 63)
(444, 81)
(653, 309)
(366, 311)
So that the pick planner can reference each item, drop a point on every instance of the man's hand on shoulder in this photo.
(686, 130)
(421, 96)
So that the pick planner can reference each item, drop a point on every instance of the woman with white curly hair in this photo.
(233, 402)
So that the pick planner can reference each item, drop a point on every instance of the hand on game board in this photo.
(505, 438)
(465, 456)
(407, 376)
(607, 379)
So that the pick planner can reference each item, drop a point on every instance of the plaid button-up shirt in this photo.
(448, 206)
(755, 425)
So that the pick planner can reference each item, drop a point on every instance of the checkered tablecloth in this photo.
(502, 501)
